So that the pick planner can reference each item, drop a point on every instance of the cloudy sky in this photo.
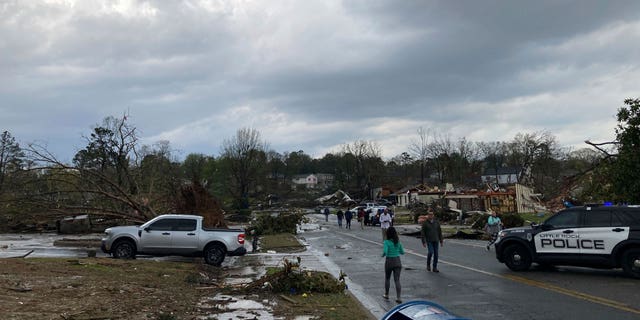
(313, 75)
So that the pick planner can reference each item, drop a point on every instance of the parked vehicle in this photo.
(373, 211)
(587, 236)
(384, 202)
(174, 234)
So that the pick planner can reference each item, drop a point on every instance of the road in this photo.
(471, 282)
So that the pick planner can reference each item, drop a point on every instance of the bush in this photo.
(275, 223)
(512, 220)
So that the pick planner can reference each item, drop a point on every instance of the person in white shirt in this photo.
(385, 223)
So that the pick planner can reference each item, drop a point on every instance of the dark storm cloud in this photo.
(314, 75)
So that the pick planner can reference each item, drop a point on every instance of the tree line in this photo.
(115, 176)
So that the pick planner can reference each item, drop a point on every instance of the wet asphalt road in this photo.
(472, 283)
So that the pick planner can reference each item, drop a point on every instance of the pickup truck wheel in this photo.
(631, 262)
(124, 249)
(517, 257)
(214, 254)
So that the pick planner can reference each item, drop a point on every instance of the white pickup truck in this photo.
(174, 234)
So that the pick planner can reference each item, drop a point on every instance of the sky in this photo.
(315, 75)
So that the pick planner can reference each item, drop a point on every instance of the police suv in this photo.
(588, 236)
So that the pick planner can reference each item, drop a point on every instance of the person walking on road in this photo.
(326, 214)
(493, 227)
(431, 238)
(340, 215)
(361, 217)
(392, 249)
(348, 215)
(385, 223)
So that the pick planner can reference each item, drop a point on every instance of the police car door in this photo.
(559, 234)
(599, 235)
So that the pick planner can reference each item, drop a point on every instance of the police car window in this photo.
(597, 219)
(617, 220)
(567, 219)
(629, 217)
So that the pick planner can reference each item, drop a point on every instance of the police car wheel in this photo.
(517, 257)
(631, 262)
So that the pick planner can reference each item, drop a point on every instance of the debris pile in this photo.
(292, 279)
(195, 199)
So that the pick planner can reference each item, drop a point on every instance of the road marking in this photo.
(572, 293)
(522, 280)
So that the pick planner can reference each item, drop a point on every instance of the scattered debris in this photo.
(24, 255)
(288, 299)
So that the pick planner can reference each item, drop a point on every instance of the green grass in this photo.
(279, 242)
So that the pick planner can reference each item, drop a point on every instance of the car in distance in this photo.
(174, 234)
(372, 210)
(587, 236)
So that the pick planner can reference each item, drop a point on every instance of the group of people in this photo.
(347, 216)
(431, 235)
(386, 219)
(392, 249)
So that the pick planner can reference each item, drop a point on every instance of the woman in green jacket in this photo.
(392, 249)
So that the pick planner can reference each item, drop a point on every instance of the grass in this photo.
(280, 242)
(335, 306)
(403, 218)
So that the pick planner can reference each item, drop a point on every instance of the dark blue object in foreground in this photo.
(420, 310)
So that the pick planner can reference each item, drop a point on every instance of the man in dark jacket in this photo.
(340, 215)
(431, 239)
(348, 215)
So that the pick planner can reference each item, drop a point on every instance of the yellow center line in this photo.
(522, 280)
(572, 293)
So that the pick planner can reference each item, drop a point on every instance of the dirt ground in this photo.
(100, 288)
(106, 288)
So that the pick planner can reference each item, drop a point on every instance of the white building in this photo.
(312, 181)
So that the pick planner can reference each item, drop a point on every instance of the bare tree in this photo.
(70, 189)
(367, 165)
(441, 151)
(494, 155)
(527, 149)
(105, 178)
(111, 149)
(245, 155)
(421, 150)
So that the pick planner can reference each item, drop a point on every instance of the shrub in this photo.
(275, 223)
(512, 220)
